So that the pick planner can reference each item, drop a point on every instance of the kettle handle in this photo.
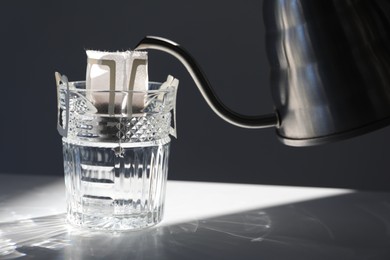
(245, 121)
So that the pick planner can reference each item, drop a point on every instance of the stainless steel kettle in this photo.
(330, 69)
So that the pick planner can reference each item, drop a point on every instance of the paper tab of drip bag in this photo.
(171, 82)
(117, 71)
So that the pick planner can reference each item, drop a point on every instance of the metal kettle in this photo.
(330, 69)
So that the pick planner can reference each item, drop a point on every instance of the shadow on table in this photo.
(351, 226)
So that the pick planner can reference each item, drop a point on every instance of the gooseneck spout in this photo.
(245, 121)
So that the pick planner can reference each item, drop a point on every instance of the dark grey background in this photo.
(226, 37)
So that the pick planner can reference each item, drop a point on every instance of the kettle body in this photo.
(330, 69)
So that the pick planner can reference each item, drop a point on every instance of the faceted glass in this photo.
(115, 159)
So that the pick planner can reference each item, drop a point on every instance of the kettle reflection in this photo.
(330, 69)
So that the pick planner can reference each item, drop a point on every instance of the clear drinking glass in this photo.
(115, 158)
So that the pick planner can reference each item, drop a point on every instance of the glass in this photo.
(115, 159)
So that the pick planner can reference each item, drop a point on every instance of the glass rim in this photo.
(167, 90)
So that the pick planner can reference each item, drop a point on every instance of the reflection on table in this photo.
(202, 221)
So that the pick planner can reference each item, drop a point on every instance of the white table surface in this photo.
(202, 221)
